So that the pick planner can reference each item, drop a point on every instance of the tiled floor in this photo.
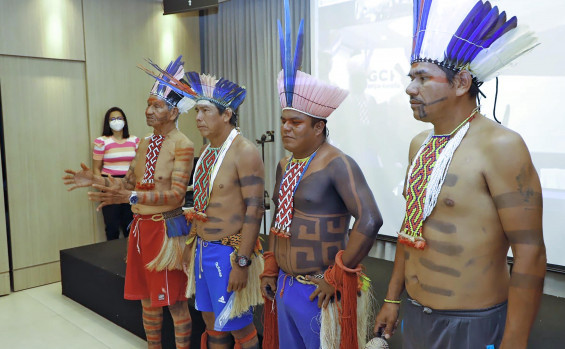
(43, 318)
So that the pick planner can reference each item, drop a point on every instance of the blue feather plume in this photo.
(171, 70)
(477, 35)
(485, 37)
(298, 50)
(193, 79)
(482, 26)
(421, 13)
(228, 94)
(289, 64)
(281, 40)
(469, 23)
(288, 73)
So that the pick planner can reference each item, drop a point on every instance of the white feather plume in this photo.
(507, 48)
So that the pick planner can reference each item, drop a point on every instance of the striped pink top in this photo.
(116, 157)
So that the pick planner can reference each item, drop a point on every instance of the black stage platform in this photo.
(93, 276)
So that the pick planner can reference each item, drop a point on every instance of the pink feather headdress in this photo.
(298, 90)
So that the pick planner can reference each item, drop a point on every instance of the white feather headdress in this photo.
(468, 34)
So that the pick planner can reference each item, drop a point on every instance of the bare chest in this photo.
(161, 167)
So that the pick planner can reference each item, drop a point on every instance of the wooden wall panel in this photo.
(37, 275)
(4, 283)
(63, 63)
(118, 36)
(45, 131)
(4, 264)
(42, 28)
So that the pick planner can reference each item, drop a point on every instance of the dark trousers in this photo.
(426, 328)
(117, 217)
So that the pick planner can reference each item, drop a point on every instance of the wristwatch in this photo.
(133, 198)
(242, 261)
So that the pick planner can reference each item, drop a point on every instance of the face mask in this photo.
(117, 125)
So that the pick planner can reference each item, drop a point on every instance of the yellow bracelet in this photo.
(390, 301)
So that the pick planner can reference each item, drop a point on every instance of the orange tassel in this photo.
(346, 281)
(270, 325)
(270, 322)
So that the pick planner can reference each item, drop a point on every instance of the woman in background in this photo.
(113, 153)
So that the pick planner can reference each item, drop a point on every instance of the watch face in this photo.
(133, 200)
(242, 261)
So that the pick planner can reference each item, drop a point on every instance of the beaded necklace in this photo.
(425, 179)
(153, 150)
(205, 175)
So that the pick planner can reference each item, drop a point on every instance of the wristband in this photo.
(391, 301)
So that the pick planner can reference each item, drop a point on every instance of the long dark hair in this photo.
(107, 131)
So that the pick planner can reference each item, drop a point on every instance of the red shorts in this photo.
(161, 287)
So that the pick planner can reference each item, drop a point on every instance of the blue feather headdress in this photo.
(467, 34)
(298, 90)
(173, 84)
(222, 92)
(169, 86)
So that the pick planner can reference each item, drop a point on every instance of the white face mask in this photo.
(117, 125)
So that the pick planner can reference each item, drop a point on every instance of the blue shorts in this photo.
(299, 318)
(212, 284)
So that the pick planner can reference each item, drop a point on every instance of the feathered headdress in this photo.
(298, 90)
(467, 34)
(169, 86)
(196, 87)
(222, 92)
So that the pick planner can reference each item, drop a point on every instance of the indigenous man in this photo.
(155, 186)
(223, 261)
(471, 190)
(312, 257)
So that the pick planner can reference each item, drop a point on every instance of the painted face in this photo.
(429, 90)
(157, 112)
(297, 132)
(208, 119)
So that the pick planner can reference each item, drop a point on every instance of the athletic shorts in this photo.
(212, 284)
(162, 287)
(299, 318)
(426, 328)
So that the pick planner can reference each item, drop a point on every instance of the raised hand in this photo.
(114, 192)
(82, 178)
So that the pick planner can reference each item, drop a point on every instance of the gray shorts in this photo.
(426, 328)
